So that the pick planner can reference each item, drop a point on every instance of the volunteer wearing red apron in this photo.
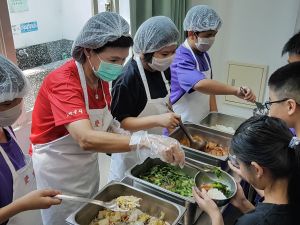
(17, 180)
(72, 120)
(192, 87)
(140, 94)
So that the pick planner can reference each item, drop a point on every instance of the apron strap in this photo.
(7, 160)
(84, 86)
(166, 82)
(209, 63)
(186, 44)
(144, 79)
(143, 76)
(104, 95)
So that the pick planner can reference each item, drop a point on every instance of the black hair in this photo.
(122, 42)
(148, 57)
(292, 47)
(285, 81)
(186, 33)
(265, 140)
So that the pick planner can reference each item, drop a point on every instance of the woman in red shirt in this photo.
(71, 119)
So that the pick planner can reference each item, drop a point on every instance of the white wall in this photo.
(48, 17)
(253, 32)
(74, 15)
(56, 19)
(124, 10)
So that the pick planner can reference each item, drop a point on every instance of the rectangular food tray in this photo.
(192, 210)
(215, 118)
(150, 204)
(208, 135)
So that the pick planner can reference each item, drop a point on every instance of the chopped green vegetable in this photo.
(170, 178)
(217, 172)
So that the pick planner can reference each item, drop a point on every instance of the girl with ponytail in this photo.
(268, 157)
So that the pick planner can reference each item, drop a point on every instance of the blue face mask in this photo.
(108, 71)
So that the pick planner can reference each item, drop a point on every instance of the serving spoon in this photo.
(193, 144)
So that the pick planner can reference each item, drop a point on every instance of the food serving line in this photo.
(177, 208)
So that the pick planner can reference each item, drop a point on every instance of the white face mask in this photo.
(8, 117)
(161, 64)
(204, 44)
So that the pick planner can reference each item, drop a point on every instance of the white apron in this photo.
(194, 106)
(23, 183)
(120, 162)
(63, 165)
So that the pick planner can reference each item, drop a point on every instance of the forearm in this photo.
(213, 103)
(104, 142)
(213, 87)
(10, 210)
(139, 123)
(217, 219)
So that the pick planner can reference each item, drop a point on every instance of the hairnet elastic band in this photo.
(294, 142)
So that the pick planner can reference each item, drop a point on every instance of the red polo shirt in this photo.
(60, 101)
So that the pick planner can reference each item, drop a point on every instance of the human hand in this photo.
(38, 199)
(234, 168)
(246, 93)
(158, 146)
(240, 201)
(168, 120)
(206, 203)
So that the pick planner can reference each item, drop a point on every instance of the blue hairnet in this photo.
(98, 30)
(13, 83)
(201, 18)
(154, 34)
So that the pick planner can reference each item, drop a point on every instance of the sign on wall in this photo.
(24, 28)
(16, 6)
(28, 27)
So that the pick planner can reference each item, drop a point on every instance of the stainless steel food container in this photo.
(215, 118)
(192, 210)
(150, 204)
(209, 135)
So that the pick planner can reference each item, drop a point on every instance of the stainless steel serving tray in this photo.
(209, 135)
(192, 210)
(150, 204)
(215, 118)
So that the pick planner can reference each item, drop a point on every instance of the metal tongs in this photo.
(193, 144)
(112, 205)
(203, 168)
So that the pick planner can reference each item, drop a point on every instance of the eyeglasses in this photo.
(269, 103)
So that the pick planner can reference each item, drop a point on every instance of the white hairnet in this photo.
(13, 83)
(154, 34)
(201, 18)
(98, 30)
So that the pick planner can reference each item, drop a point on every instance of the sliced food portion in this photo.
(128, 202)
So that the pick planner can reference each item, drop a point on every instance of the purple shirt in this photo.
(16, 156)
(184, 73)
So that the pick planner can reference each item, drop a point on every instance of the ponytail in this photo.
(270, 143)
